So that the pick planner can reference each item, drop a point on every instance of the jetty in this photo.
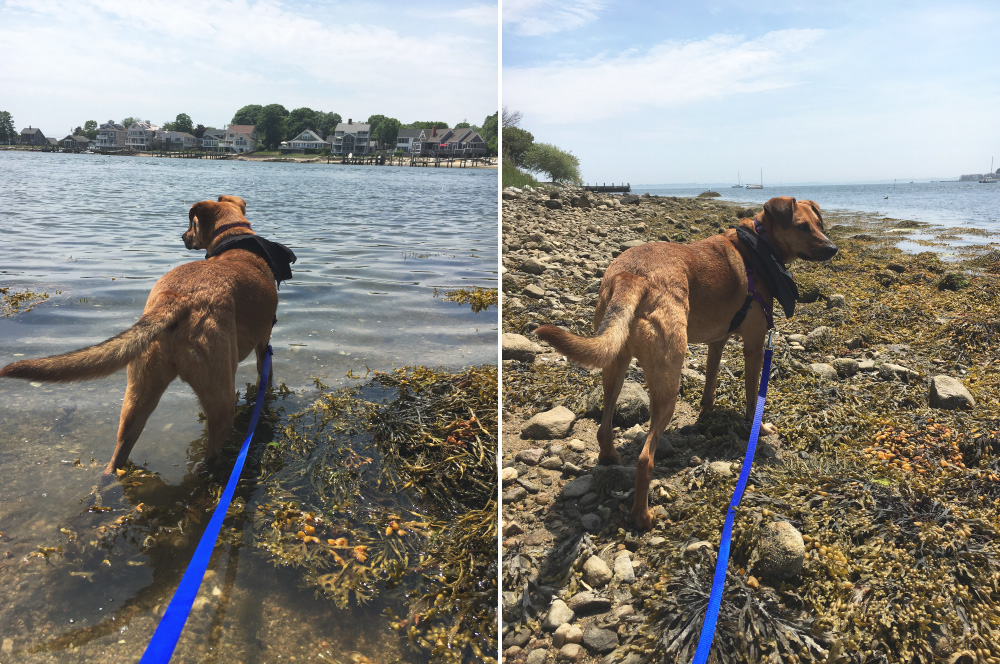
(609, 188)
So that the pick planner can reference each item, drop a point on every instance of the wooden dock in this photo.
(409, 160)
(609, 188)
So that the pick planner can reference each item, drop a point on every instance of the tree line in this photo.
(276, 124)
(521, 151)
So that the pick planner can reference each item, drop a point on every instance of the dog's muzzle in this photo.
(821, 253)
(188, 241)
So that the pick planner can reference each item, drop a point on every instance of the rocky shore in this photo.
(868, 531)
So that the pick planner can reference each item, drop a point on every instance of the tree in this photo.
(489, 133)
(78, 131)
(7, 131)
(327, 123)
(247, 115)
(183, 123)
(128, 122)
(386, 133)
(560, 165)
(511, 118)
(463, 125)
(168, 126)
(199, 131)
(427, 125)
(299, 120)
(516, 142)
(271, 125)
(90, 129)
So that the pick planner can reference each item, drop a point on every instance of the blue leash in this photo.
(164, 640)
(722, 563)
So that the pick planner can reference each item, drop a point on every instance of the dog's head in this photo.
(205, 217)
(795, 228)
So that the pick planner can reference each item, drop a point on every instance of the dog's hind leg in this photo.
(612, 379)
(711, 375)
(753, 362)
(261, 351)
(663, 374)
(148, 377)
(215, 387)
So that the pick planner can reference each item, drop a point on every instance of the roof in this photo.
(408, 132)
(241, 129)
(309, 135)
(353, 128)
(31, 130)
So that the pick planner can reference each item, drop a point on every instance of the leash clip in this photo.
(770, 339)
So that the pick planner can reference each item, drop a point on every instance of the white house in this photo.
(351, 138)
(141, 135)
(239, 138)
(307, 140)
(176, 140)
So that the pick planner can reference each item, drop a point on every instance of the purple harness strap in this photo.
(752, 290)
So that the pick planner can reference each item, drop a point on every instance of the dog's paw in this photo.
(612, 458)
(768, 429)
(643, 520)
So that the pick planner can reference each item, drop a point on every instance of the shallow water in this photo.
(95, 233)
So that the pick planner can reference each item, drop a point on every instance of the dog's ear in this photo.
(780, 210)
(202, 216)
(815, 208)
(235, 200)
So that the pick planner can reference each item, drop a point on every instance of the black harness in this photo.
(764, 260)
(279, 257)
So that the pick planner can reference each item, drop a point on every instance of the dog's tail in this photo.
(102, 359)
(601, 349)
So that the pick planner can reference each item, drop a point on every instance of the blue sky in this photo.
(63, 62)
(685, 92)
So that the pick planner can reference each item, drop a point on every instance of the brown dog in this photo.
(658, 297)
(201, 319)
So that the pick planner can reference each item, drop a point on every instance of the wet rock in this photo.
(518, 347)
(519, 638)
(530, 456)
(567, 633)
(845, 366)
(596, 572)
(624, 572)
(601, 641)
(555, 423)
(630, 199)
(950, 393)
(781, 551)
(588, 602)
(578, 486)
(559, 614)
(581, 201)
(631, 408)
(825, 371)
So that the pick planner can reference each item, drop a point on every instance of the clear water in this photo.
(95, 233)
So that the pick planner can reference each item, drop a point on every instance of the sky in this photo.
(709, 91)
(63, 62)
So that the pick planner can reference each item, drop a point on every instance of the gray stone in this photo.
(591, 523)
(577, 445)
(514, 495)
(836, 302)
(578, 486)
(781, 551)
(596, 572)
(529, 486)
(512, 529)
(624, 573)
(825, 371)
(530, 456)
(559, 614)
(533, 266)
(533, 291)
(537, 656)
(631, 408)
(552, 463)
(631, 243)
(845, 366)
(519, 639)
(950, 393)
(518, 347)
(554, 204)
(601, 641)
(889, 371)
(588, 602)
(818, 338)
(720, 469)
(555, 423)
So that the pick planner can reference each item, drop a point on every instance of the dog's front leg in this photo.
(753, 362)
(711, 375)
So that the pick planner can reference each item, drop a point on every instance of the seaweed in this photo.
(479, 298)
(19, 301)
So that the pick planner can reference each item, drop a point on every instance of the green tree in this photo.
(463, 125)
(299, 120)
(516, 142)
(271, 125)
(90, 129)
(489, 133)
(199, 131)
(128, 122)
(427, 125)
(247, 115)
(559, 164)
(183, 123)
(168, 126)
(326, 123)
(386, 133)
(8, 134)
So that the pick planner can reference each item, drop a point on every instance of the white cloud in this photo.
(479, 15)
(533, 18)
(665, 76)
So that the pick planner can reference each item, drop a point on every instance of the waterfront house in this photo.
(141, 135)
(75, 142)
(239, 138)
(429, 142)
(211, 138)
(465, 142)
(404, 138)
(111, 136)
(33, 136)
(52, 142)
(307, 140)
(175, 140)
(351, 138)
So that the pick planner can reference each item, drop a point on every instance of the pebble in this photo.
(845, 366)
(623, 573)
(818, 338)
(588, 602)
(514, 495)
(823, 370)
(949, 393)
(578, 486)
(518, 347)
(599, 640)
(533, 266)
(555, 423)
(567, 633)
(552, 463)
(781, 551)
(596, 572)
(530, 456)
(572, 652)
(508, 475)
(559, 614)
(836, 302)
(533, 291)
(537, 656)
(577, 445)
(591, 523)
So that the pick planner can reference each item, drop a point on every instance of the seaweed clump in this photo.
(479, 298)
(19, 301)
(388, 487)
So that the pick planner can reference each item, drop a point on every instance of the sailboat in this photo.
(991, 177)
(758, 186)
(740, 185)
